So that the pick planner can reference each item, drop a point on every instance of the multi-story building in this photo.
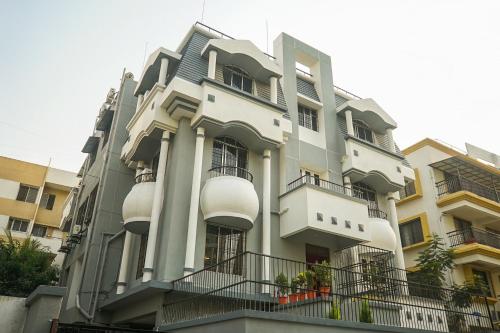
(32, 200)
(455, 195)
(223, 167)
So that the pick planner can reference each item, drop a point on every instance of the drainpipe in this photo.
(266, 216)
(37, 201)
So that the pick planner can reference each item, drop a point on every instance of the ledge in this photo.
(43, 290)
(139, 292)
(319, 188)
(371, 145)
(451, 198)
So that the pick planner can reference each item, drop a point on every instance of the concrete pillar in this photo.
(393, 219)
(266, 213)
(348, 185)
(212, 60)
(350, 126)
(140, 99)
(195, 202)
(283, 182)
(156, 210)
(390, 141)
(162, 77)
(273, 82)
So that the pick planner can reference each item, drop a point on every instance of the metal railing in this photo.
(145, 178)
(350, 94)
(473, 235)
(370, 292)
(310, 179)
(455, 184)
(408, 190)
(376, 213)
(227, 170)
(80, 328)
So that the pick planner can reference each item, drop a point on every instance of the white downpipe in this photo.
(195, 201)
(156, 209)
(393, 219)
(162, 76)
(273, 82)
(266, 215)
(348, 119)
(212, 60)
(121, 284)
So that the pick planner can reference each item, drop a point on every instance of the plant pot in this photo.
(293, 298)
(311, 294)
(302, 296)
(283, 300)
(325, 292)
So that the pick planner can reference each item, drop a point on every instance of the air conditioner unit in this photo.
(76, 229)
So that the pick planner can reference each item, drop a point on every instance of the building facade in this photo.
(455, 195)
(33, 198)
(216, 165)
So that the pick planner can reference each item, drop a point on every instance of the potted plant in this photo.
(334, 311)
(324, 275)
(365, 315)
(281, 282)
(294, 286)
(301, 279)
(311, 293)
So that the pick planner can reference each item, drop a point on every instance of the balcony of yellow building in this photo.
(473, 245)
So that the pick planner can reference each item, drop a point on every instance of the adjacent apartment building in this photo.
(223, 171)
(455, 195)
(32, 202)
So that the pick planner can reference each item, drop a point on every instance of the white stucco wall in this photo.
(12, 314)
(8, 189)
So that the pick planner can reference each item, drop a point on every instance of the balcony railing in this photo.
(376, 213)
(473, 235)
(455, 184)
(309, 179)
(371, 292)
(145, 178)
(226, 170)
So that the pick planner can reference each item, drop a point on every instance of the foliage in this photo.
(294, 285)
(334, 311)
(323, 272)
(282, 282)
(365, 315)
(301, 279)
(309, 275)
(24, 265)
(462, 295)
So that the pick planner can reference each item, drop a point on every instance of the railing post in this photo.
(489, 312)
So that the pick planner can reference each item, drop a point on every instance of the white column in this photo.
(350, 126)
(392, 146)
(156, 210)
(266, 212)
(212, 60)
(273, 82)
(140, 99)
(195, 202)
(393, 219)
(282, 174)
(162, 77)
(348, 185)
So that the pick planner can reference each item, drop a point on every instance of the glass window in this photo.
(237, 78)
(408, 189)
(222, 244)
(308, 118)
(19, 225)
(231, 156)
(27, 193)
(483, 278)
(39, 230)
(411, 232)
(361, 131)
(47, 201)
(311, 177)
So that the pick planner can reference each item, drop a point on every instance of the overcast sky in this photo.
(434, 66)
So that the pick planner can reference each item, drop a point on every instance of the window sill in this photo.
(416, 245)
(409, 198)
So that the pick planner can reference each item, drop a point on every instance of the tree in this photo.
(24, 265)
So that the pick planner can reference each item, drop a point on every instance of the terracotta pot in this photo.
(302, 296)
(283, 300)
(325, 292)
(293, 298)
(311, 294)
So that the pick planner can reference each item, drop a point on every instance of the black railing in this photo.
(408, 190)
(78, 328)
(473, 235)
(376, 213)
(227, 170)
(309, 179)
(145, 177)
(368, 292)
(455, 184)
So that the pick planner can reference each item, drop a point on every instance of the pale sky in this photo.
(434, 66)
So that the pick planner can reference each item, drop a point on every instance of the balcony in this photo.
(316, 210)
(138, 203)
(475, 245)
(456, 184)
(229, 198)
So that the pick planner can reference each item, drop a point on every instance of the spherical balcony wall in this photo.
(229, 198)
(383, 236)
(138, 203)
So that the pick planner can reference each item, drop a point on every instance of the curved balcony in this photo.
(382, 234)
(229, 197)
(137, 206)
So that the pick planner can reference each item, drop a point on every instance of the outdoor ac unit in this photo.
(76, 229)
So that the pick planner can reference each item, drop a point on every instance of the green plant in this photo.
(334, 311)
(301, 279)
(462, 295)
(323, 273)
(294, 285)
(309, 275)
(365, 314)
(282, 282)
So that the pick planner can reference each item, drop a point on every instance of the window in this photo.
(87, 208)
(311, 177)
(308, 118)
(366, 192)
(408, 189)
(411, 232)
(484, 280)
(142, 256)
(361, 131)
(230, 156)
(221, 244)
(39, 230)
(237, 78)
(19, 225)
(47, 201)
(27, 193)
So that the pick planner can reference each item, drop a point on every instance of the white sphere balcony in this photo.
(229, 198)
(383, 236)
(137, 206)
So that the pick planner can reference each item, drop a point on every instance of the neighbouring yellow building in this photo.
(33, 201)
(457, 196)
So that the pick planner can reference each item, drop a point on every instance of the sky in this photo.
(434, 66)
